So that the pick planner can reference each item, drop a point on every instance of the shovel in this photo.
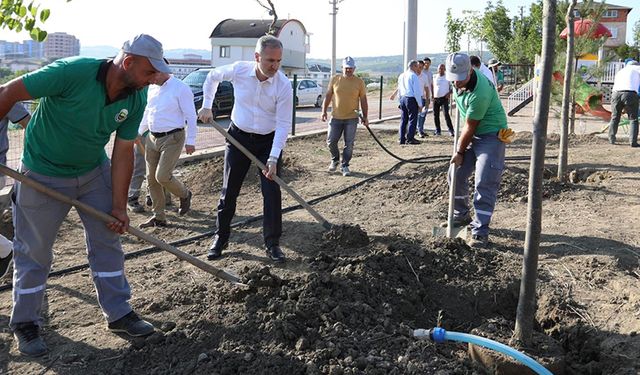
(221, 274)
(452, 231)
(277, 179)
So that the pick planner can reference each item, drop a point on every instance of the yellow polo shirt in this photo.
(347, 92)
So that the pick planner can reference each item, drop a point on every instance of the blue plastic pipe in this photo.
(440, 335)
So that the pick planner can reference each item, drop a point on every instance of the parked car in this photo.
(223, 102)
(308, 93)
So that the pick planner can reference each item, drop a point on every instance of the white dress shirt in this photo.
(259, 107)
(441, 85)
(627, 79)
(427, 80)
(170, 106)
(409, 85)
(487, 73)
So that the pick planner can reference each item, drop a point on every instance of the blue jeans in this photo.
(422, 116)
(486, 156)
(409, 116)
(336, 129)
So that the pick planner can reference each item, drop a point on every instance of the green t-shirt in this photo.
(482, 104)
(74, 120)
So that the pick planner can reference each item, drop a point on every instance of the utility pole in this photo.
(411, 32)
(333, 13)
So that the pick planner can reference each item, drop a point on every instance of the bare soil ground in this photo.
(346, 299)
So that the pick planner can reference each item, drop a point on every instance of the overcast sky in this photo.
(365, 27)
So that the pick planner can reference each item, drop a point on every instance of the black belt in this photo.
(162, 134)
(250, 135)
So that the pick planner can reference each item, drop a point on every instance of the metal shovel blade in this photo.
(460, 232)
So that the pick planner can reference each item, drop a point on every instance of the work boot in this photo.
(30, 343)
(274, 252)
(345, 171)
(153, 222)
(458, 222)
(478, 241)
(132, 325)
(333, 166)
(217, 245)
(185, 204)
(5, 263)
(134, 206)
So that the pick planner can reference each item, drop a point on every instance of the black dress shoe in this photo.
(274, 253)
(413, 142)
(217, 245)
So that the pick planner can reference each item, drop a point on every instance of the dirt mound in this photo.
(352, 313)
(589, 175)
(346, 235)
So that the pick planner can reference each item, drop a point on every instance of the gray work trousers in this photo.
(336, 129)
(629, 101)
(139, 171)
(486, 156)
(37, 218)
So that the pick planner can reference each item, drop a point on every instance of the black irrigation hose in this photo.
(415, 160)
(187, 240)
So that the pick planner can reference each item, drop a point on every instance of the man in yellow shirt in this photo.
(345, 92)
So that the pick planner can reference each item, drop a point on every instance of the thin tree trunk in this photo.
(563, 158)
(527, 299)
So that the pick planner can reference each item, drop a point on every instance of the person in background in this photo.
(476, 63)
(498, 76)
(624, 95)
(346, 93)
(170, 118)
(441, 93)
(410, 91)
(426, 80)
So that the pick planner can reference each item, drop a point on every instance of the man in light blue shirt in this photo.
(410, 90)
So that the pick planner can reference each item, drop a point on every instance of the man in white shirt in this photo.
(441, 94)
(260, 121)
(410, 91)
(477, 64)
(625, 95)
(426, 81)
(169, 108)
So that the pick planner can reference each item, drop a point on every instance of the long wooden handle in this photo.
(452, 187)
(224, 275)
(277, 179)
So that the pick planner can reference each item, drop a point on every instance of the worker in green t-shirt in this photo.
(83, 101)
(479, 146)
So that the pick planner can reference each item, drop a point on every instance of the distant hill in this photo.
(108, 51)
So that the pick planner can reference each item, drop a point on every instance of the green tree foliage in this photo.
(527, 35)
(497, 30)
(455, 30)
(636, 34)
(473, 28)
(624, 51)
(18, 15)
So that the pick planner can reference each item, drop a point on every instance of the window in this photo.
(225, 51)
(614, 32)
(611, 13)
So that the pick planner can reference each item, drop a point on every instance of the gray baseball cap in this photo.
(147, 46)
(457, 67)
(348, 62)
